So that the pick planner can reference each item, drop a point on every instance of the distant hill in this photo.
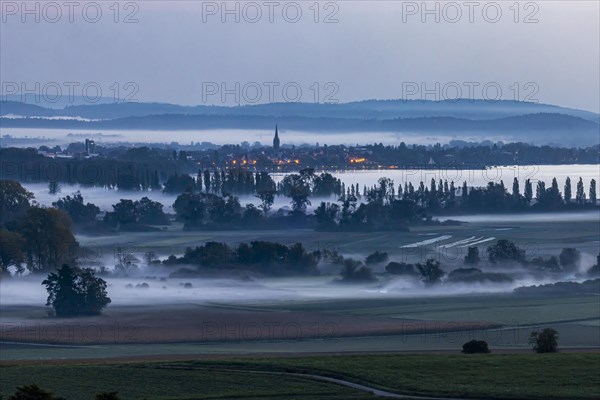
(58, 103)
(464, 119)
(368, 109)
(533, 128)
(24, 109)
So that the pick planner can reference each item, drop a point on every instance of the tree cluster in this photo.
(42, 238)
(261, 256)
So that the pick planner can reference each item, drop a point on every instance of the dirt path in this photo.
(342, 382)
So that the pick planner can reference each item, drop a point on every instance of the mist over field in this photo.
(206, 286)
(307, 200)
(154, 285)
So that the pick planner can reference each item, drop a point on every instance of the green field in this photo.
(505, 309)
(546, 238)
(576, 319)
(514, 376)
(253, 369)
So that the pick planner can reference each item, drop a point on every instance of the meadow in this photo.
(538, 234)
(202, 343)
(515, 376)
(439, 323)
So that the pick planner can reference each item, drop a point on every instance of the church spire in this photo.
(276, 139)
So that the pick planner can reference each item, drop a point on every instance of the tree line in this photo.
(387, 207)
(42, 237)
(145, 168)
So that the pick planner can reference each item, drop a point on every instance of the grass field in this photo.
(343, 325)
(242, 367)
(514, 376)
(545, 237)
(503, 309)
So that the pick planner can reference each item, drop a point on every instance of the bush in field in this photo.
(569, 258)
(561, 288)
(472, 257)
(431, 272)
(74, 291)
(376, 258)
(505, 251)
(475, 346)
(331, 256)
(396, 268)
(545, 341)
(354, 272)
(33, 392)
(550, 264)
(258, 255)
(477, 275)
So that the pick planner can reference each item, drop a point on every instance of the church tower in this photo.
(276, 139)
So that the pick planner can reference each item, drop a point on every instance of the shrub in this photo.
(376, 258)
(353, 271)
(33, 392)
(505, 251)
(396, 268)
(476, 275)
(431, 272)
(545, 341)
(569, 258)
(472, 257)
(475, 346)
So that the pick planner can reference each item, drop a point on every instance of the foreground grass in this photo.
(502, 376)
(149, 381)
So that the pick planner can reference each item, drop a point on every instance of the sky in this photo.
(245, 52)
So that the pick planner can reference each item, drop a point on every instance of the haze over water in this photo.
(53, 137)
(105, 198)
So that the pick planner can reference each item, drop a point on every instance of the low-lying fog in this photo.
(26, 137)
(576, 216)
(152, 285)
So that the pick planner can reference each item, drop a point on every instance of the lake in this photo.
(104, 198)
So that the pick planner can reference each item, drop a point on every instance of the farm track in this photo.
(341, 382)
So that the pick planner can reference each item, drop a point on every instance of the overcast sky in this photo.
(183, 52)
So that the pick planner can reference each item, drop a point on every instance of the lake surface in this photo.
(104, 198)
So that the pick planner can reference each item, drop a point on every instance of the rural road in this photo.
(342, 382)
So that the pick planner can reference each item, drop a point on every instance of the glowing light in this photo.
(356, 160)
